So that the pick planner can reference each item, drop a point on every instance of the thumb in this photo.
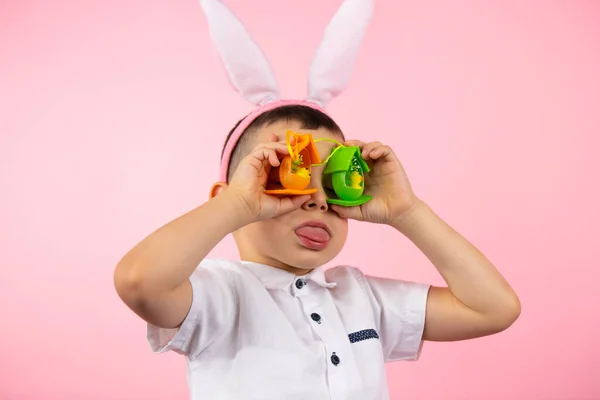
(348, 212)
(291, 203)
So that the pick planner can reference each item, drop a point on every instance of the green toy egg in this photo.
(344, 175)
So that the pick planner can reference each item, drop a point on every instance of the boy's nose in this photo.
(317, 201)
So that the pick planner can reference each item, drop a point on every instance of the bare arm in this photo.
(478, 301)
(153, 277)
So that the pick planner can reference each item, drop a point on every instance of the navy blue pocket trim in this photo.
(363, 335)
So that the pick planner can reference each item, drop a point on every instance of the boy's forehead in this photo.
(280, 128)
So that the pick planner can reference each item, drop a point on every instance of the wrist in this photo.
(234, 210)
(410, 219)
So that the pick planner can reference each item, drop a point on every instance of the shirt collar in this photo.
(275, 278)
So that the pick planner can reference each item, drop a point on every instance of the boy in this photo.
(275, 325)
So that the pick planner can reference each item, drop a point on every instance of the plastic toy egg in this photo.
(292, 177)
(344, 175)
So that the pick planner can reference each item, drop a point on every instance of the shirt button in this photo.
(316, 317)
(299, 283)
(335, 360)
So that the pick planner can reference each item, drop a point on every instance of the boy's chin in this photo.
(307, 258)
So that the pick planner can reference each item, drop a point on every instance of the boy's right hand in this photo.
(250, 178)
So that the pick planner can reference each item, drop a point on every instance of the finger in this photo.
(348, 212)
(368, 148)
(273, 159)
(380, 152)
(271, 145)
(275, 139)
(270, 157)
(279, 147)
(354, 143)
(263, 157)
(292, 203)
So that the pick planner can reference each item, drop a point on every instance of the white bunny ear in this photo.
(334, 60)
(248, 69)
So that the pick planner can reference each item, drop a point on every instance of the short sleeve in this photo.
(210, 314)
(400, 308)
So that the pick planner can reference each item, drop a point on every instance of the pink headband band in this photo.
(251, 75)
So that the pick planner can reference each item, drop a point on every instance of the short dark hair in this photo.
(308, 117)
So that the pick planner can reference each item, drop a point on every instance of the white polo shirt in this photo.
(258, 332)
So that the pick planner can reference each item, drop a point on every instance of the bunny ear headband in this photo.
(252, 76)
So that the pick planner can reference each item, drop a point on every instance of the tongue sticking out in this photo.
(313, 233)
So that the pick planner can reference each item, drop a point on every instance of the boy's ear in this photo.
(217, 188)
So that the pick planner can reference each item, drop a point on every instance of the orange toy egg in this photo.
(298, 179)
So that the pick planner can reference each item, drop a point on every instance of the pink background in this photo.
(112, 115)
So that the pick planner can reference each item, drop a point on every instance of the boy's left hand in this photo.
(387, 183)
